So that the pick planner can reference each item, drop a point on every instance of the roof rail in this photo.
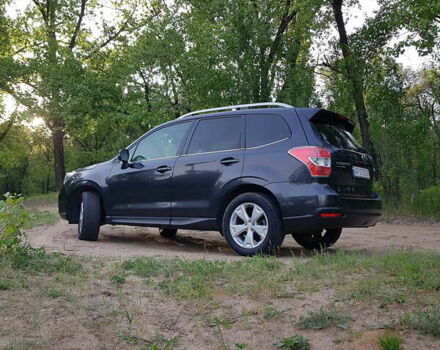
(238, 107)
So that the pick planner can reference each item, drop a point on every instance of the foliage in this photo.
(95, 88)
(427, 202)
(12, 219)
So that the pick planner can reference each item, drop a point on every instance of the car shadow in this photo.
(192, 242)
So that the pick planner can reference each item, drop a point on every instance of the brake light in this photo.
(317, 159)
(331, 215)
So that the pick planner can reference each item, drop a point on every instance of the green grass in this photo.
(160, 342)
(37, 261)
(297, 342)
(388, 279)
(41, 209)
(38, 200)
(406, 278)
(118, 279)
(322, 319)
(6, 285)
(271, 312)
(426, 322)
(38, 218)
(390, 341)
(54, 292)
(193, 279)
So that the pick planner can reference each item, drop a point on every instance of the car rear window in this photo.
(217, 134)
(262, 129)
(337, 137)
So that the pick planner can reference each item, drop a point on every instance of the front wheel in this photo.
(89, 216)
(319, 239)
(252, 225)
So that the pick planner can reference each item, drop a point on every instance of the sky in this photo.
(355, 17)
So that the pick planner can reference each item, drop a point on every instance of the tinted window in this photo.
(164, 142)
(262, 129)
(337, 137)
(216, 135)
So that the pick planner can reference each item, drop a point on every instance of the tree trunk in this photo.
(58, 151)
(353, 78)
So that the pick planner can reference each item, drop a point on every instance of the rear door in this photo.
(213, 158)
(352, 168)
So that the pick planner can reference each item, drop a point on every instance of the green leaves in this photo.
(12, 219)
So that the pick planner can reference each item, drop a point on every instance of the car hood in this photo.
(93, 166)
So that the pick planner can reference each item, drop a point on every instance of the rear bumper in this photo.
(303, 204)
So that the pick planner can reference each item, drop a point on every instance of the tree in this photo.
(52, 46)
(353, 77)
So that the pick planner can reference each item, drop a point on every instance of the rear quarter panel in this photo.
(272, 163)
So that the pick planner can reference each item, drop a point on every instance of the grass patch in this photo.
(323, 319)
(426, 322)
(271, 312)
(54, 293)
(118, 279)
(38, 261)
(6, 285)
(38, 218)
(297, 342)
(36, 201)
(390, 341)
(161, 342)
(389, 278)
(193, 279)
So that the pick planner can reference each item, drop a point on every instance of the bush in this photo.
(12, 219)
(427, 202)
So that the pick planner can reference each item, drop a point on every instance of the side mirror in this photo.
(123, 155)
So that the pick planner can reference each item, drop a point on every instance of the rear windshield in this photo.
(337, 137)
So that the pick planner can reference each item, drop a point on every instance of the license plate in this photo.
(362, 173)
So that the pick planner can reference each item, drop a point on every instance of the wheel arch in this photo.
(75, 199)
(255, 185)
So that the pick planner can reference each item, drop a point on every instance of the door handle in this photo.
(229, 161)
(163, 168)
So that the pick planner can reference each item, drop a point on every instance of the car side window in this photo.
(262, 129)
(217, 134)
(162, 143)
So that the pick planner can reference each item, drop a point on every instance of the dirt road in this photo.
(126, 242)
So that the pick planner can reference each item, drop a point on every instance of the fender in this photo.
(236, 186)
(79, 187)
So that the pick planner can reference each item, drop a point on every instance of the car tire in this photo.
(89, 216)
(319, 239)
(263, 233)
(168, 232)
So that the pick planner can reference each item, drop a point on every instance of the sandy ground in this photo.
(95, 317)
(127, 242)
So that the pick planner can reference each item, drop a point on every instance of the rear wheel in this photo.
(252, 225)
(167, 232)
(89, 216)
(319, 239)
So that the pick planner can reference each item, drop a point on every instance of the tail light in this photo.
(317, 159)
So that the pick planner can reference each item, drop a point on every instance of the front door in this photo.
(144, 191)
(214, 157)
